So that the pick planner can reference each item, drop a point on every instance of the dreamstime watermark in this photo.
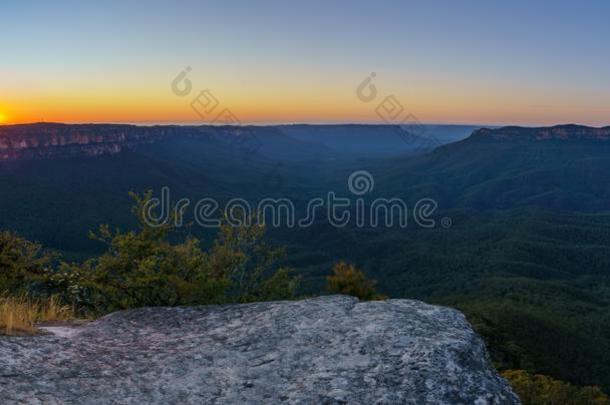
(205, 103)
(391, 111)
(282, 212)
(209, 109)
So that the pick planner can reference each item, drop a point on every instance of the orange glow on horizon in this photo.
(141, 104)
(296, 96)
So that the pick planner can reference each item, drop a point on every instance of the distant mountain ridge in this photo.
(568, 132)
(39, 140)
(565, 167)
(281, 142)
(379, 140)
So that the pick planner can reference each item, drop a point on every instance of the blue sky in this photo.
(473, 61)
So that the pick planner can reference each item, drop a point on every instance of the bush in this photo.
(144, 268)
(241, 255)
(347, 279)
(22, 263)
(542, 390)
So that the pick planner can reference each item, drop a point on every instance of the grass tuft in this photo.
(19, 315)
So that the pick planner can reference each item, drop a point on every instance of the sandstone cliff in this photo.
(30, 141)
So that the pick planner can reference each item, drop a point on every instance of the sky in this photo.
(475, 62)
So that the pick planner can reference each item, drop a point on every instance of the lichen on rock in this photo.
(331, 349)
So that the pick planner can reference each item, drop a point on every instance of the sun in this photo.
(2, 118)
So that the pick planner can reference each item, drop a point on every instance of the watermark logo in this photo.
(210, 110)
(360, 182)
(391, 111)
(181, 85)
(205, 103)
(366, 90)
(283, 212)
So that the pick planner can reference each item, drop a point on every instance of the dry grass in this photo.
(19, 315)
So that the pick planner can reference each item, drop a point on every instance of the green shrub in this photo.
(539, 389)
(22, 263)
(145, 268)
(241, 255)
(347, 279)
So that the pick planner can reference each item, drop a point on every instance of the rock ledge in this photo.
(322, 350)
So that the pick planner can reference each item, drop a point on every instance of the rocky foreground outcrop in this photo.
(322, 350)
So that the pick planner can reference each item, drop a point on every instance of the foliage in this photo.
(536, 389)
(144, 267)
(347, 279)
(242, 256)
(22, 262)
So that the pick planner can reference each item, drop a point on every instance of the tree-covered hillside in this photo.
(526, 255)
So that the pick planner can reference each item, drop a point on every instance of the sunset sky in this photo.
(479, 62)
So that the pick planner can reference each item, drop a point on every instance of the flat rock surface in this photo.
(323, 350)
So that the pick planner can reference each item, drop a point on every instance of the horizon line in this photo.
(285, 123)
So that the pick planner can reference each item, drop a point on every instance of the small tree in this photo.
(22, 263)
(347, 279)
(241, 254)
(144, 268)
